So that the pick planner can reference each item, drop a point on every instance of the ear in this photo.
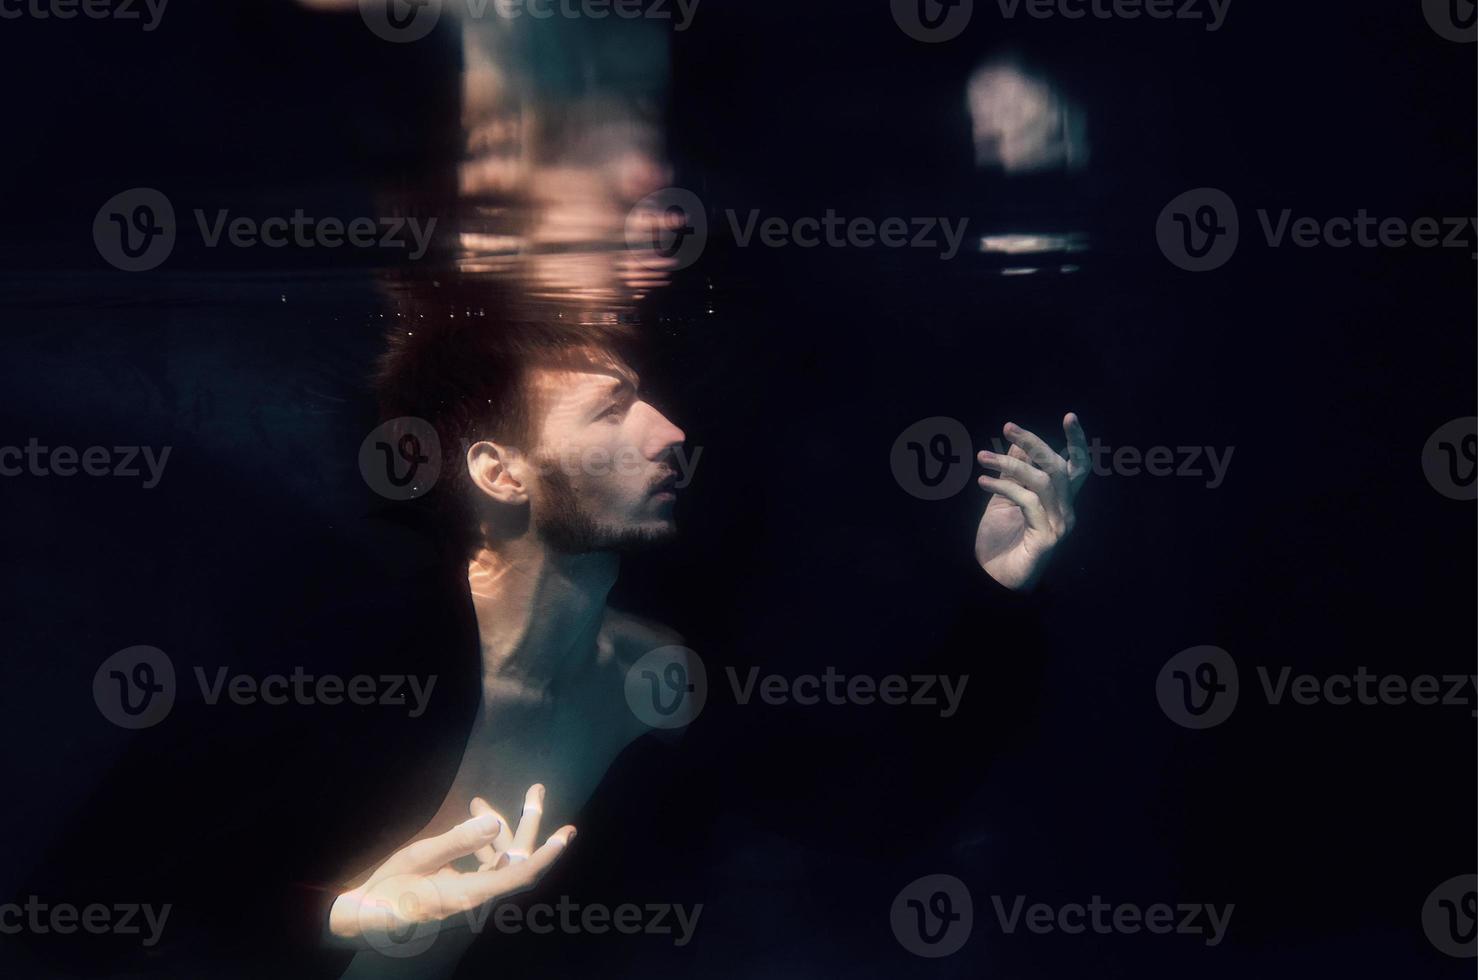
(499, 472)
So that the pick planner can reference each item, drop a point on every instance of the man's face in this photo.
(604, 470)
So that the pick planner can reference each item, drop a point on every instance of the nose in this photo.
(660, 436)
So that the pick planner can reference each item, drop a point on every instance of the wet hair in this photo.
(467, 371)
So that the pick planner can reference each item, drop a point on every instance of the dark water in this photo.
(1317, 374)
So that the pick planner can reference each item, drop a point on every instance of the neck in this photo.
(538, 616)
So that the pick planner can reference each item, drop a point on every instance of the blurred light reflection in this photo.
(1022, 124)
(1073, 241)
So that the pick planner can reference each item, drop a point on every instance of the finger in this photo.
(489, 854)
(1030, 503)
(528, 824)
(1077, 450)
(1016, 470)
(521, 877)
(469, 891)
(1037, 451)
(425, 856)
(1059, 497)
(376, 917)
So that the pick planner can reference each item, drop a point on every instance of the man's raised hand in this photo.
(1031, 507)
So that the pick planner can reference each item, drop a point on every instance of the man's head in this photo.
(543, 429)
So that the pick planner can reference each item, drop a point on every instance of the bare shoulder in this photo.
(626, 638)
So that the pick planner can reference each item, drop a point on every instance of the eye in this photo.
(613, 412)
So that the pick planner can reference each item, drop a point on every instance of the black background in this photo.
(1325, 549)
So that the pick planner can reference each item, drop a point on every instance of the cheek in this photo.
(610, 455)
(628, 467)
(603, 471)
(603, 464)
(619, 476)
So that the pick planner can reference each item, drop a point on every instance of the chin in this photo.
(645, 534)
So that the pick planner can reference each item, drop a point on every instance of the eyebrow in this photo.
(620, 380)
(616, 386)
(628, 375)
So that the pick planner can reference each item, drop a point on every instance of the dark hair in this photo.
(465, 369)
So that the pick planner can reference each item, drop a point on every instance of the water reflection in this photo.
(562, 146)
(562, 124)
(1022, 125)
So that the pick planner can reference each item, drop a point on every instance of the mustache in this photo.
(664, 479)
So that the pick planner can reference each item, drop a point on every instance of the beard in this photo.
(568, 526)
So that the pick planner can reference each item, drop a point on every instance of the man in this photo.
(557, 465)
